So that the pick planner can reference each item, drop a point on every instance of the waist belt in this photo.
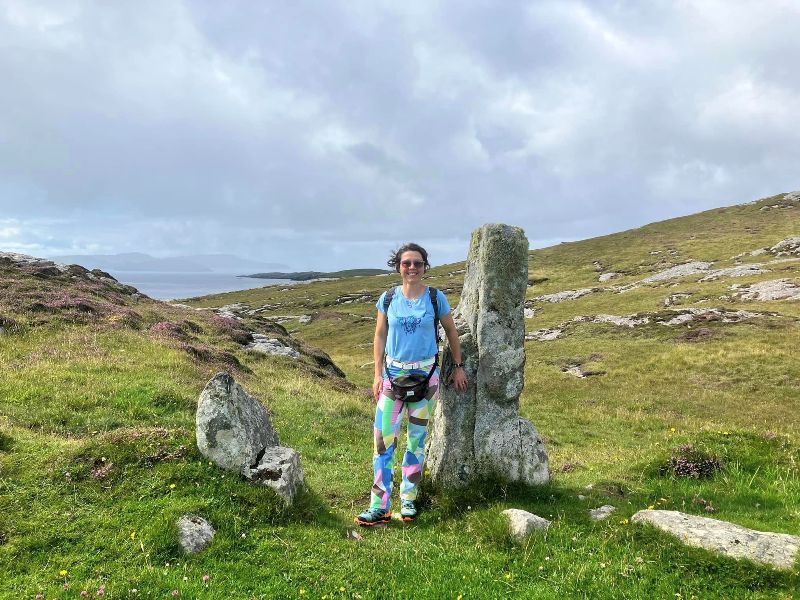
(406, 366)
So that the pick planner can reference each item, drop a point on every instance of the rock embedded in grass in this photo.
(521, 523)
(778, 550)
(602, 513)
(194, 533)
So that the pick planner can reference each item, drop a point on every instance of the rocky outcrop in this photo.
(737, 271)
(788, 247)
(234, 430)
(673, 317)
(776, 289)
(779, 550)
(272, 346)
(566, 295)
(194, 533)
(479, 434)
(684, 270)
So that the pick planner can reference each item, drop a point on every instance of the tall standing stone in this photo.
(479, 434)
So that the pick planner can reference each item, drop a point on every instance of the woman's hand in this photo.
(459, 379)
(377, 387)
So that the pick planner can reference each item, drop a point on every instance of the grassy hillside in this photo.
(97, 454)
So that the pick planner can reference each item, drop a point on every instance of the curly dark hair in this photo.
(394, 256)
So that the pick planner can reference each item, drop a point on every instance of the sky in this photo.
(322, 134)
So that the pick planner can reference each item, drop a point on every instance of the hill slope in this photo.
(97, 456)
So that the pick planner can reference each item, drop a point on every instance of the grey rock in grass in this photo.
(779, 550)
(776, 289)
(684, 270)
(478, 435)
(606, 276)
(602, 513)
(792, 197)
(521, 523)
(233, 428)
(673, 298)
(272, 346)
(194, 533)
(279, 468)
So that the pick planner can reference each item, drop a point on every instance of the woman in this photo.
(405, 343)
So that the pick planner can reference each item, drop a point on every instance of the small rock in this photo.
(673, 298)
(354, 536)
(521, 523)
(581, 497)
(544, 335)
(599, 514)
(279, 468)
(304, 319)
(779, 550)
(194, 533)
(529, 313)
(606, 276)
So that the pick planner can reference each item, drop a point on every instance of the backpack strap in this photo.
(434, 294)
(387, 300)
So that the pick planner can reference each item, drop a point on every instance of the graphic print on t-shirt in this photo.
(410, 323)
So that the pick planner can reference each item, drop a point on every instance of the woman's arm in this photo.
(378, 350)
(459, 377)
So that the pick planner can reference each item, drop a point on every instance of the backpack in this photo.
(414, 387)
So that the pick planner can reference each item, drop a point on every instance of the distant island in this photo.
(308, 275)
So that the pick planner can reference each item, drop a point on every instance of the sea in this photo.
(179, 286)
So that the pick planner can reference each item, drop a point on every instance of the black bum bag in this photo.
(413, 387)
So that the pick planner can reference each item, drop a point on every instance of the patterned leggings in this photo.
(388, 417)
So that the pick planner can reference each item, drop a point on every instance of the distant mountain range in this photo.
(309, 275)
(193, 263)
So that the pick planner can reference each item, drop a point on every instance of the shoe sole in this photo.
(383, 521)
(409, 519)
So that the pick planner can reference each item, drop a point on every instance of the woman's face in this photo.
(412, 266)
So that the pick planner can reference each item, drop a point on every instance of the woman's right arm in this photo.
(378, 350)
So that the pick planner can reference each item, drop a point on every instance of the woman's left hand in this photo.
(459, 379)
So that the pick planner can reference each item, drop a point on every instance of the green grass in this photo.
(98, 458)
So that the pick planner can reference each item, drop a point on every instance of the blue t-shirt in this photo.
(411, 335)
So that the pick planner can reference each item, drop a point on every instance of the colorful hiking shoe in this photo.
(374, 516)
(408, 510)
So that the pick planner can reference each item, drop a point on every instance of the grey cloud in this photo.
(331, 131)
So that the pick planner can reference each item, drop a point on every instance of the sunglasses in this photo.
(416, 263)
